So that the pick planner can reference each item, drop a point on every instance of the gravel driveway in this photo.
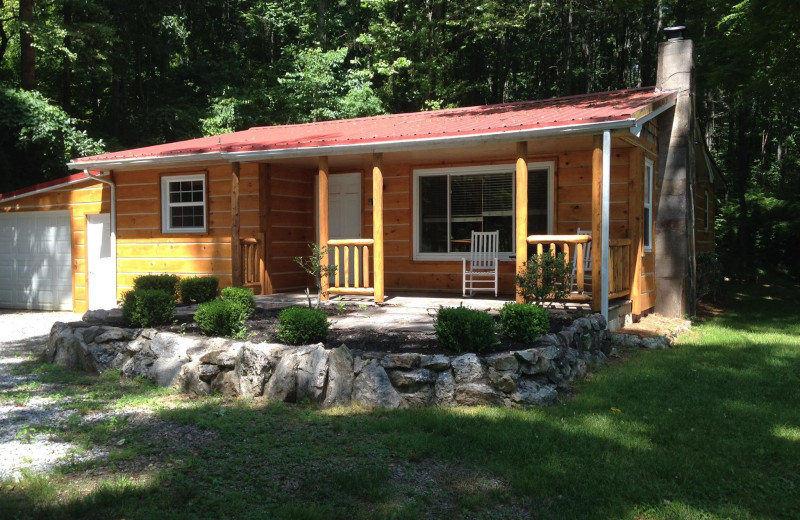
(23, 336)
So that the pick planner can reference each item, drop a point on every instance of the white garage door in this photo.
(35, 261)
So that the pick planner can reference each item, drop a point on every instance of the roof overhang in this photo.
(43, 187)
(356, 148)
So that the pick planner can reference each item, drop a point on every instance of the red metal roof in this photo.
(47, 185)
(488, 119)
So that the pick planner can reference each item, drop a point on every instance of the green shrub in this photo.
(222, 318)
(242, 295)
(523, 322)
(198, 289)
(148, 307)
(301, 326)
(160, 282)
(544, 277)
(465, 330)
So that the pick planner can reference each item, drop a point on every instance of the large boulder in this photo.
(437, 362)
(312, 369)
(412, 378)
(340, 377)
(529, 393)
(445, 388)
(253, 366)
(372, 388)
(477, 394)
(468, 369)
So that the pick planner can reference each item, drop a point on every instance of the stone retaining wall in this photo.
(337, 376)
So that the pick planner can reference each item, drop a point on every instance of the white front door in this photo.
(344, 210)
(344, 201)
(102, 271)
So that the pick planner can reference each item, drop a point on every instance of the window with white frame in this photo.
(648, 205)
(707, 213)
(183, 203)
(450, 203)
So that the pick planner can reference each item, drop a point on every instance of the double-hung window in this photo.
(183, 204)
(648, 205)
(451, 203)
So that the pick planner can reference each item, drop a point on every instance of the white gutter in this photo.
(452, 141)
(43, 190)
(637, 128)
(604, 249)
(113, 231)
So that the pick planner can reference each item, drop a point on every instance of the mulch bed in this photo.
(263, 327)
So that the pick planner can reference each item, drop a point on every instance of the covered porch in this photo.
(581, 195)
(394, 210)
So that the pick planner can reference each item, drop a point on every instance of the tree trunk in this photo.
(66, 65)
(742, 177)
(3, 36)
(27, 52)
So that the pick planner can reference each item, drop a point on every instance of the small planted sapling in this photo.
(313, 265)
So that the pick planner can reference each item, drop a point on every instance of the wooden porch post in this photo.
(635, 215)
(322, 197)
(597, 212)
(377, 225)
(521, 202)
(236, 244)
(265, 223)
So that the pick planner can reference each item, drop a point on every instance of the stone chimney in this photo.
(674, 234)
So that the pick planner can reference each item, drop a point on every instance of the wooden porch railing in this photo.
(352, 257)
(253, 255)
(619, 269)
(573, 247)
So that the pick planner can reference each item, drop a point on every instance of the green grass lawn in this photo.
(707, 430)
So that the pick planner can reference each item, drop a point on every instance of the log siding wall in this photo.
(143, 249)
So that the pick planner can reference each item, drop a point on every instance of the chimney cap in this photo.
(675, 33)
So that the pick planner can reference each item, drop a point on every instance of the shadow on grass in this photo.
(706, 430)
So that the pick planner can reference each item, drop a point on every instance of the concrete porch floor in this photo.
(401, 312)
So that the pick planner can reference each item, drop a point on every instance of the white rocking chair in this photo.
(482, 263)
(587, 259)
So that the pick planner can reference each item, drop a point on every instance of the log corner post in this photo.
(236, 243)
(324, 214)
(597, 213)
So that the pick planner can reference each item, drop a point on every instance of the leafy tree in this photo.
(37, 139)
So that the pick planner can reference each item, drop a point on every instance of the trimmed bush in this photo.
(545, 276)
(465, 330)
(160, 282)
(148, 307)
(222, 318)
(523, 322)
(198, 289)
(301, 326)
(242, 295)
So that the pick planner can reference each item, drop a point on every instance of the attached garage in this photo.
(36, 260)
(44, 240)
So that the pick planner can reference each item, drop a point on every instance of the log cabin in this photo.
(394, 198)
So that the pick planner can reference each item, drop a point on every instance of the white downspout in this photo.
(113, 230)
(604, 251)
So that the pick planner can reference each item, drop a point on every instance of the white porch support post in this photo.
(521, 203)
(604, 223)
(377, 226)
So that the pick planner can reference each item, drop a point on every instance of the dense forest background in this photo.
(78, 77)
